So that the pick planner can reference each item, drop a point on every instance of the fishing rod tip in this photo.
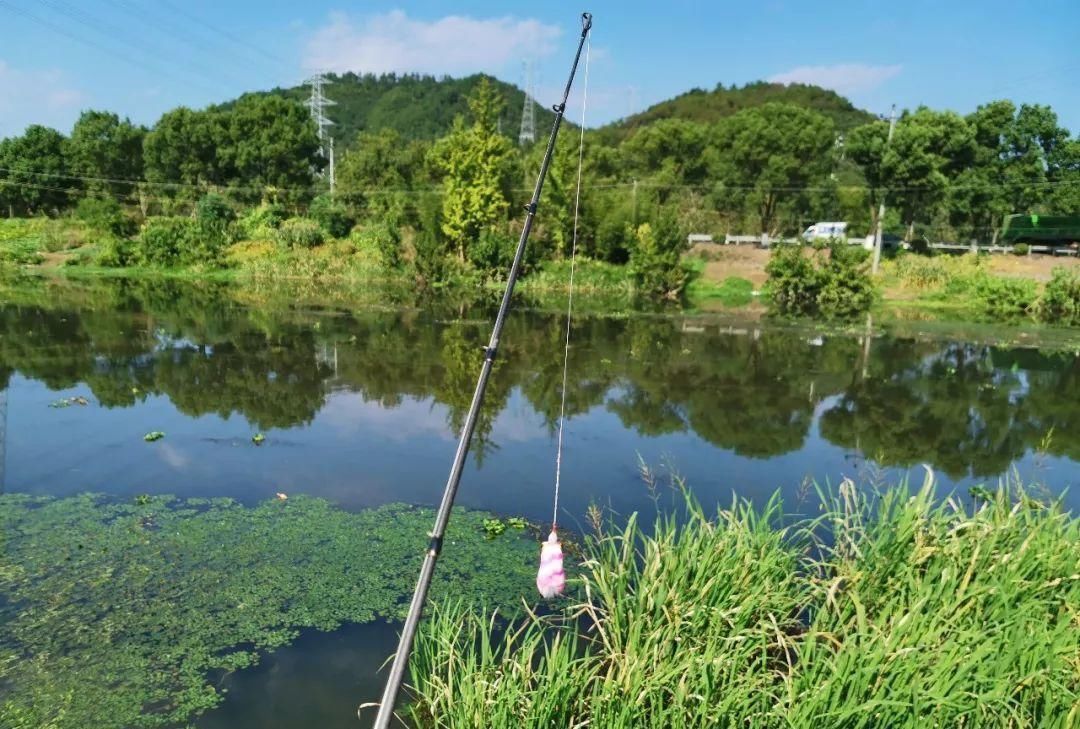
(586, 23)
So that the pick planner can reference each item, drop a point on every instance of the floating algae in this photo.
(116, 615)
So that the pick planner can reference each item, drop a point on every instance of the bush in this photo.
(214, 212)
(383, 240)
(104, 215)
(956, 273)
(300, 233)
(493, 252)
(331, 215)
(1060, 300)
(179, 242)
(1021, 249)
(832, 280)
(114, 252)
(656, 260)
(262, 221)
(1005, 297)
(20, 252)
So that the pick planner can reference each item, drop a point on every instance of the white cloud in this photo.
(846, 78)
(453, 44)
(35, 97)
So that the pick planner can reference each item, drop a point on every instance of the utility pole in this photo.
(331, 166)
(317, 105)
(527, 133)
(3, 436)
(881, 207)
(635, 202)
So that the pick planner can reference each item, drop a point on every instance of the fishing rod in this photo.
(442, 518)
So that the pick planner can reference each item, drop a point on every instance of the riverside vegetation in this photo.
(895, 610)
(422, 199)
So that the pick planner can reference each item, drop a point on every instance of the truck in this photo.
(825, 231)
(1043, 229)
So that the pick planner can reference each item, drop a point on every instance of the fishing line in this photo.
(570, 295)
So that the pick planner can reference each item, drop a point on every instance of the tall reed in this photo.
(896, 609)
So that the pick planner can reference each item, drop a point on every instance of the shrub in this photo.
(179, 242)
(214, 212)
(832, 280)
(493, 252)
(20, 252)
(1060, 300)
(383, 240)
(300, 233)
(331, 215)
(261, 222)
(114, 252)
(1005, 297)
(656, 260)
(104, 215)
(1021, 249)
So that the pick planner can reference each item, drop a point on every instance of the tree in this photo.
(183, 148)
(928, 151)
(475, 162)
(377, 174)
(104, 147)
(33, 172)
(765, 154)
(269, 144)
(865, 146)
(656, 259)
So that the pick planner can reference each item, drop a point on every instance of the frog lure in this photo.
(550, 578)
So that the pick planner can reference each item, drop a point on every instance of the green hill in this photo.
(709, 106)
(424, 107)
(419, 107)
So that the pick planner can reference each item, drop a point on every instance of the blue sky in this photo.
(143, 57)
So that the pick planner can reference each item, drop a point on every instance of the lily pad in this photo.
(153, 435)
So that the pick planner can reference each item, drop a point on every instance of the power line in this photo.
(224, 34)
(605, 186)
(118, 54)
(178, 36)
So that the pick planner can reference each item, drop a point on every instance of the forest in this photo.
(430, 179)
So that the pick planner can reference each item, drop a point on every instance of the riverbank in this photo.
(719, 278)
(884, 610)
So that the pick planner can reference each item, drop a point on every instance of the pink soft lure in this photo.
(550, 579)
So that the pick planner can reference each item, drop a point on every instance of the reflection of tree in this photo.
(1053, 404)
(961, 408)
(953, 411)
(461, 360)
(273, 382)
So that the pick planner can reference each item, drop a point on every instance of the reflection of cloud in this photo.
(171, 456)
(451, 44)
(349, 413)
(25, 95)
(845, 78)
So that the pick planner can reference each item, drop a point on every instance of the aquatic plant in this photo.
(123, 615)
(896, 609)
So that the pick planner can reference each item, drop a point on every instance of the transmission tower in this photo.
(527, 135)
(317, 105)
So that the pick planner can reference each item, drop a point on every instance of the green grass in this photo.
(913, 612)
(732, 292)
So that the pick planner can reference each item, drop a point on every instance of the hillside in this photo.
(419, 107)
(709, 106)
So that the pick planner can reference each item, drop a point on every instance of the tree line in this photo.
(775, 168)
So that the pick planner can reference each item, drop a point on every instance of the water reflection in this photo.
(967, 409)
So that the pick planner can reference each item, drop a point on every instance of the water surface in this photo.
(361, 407)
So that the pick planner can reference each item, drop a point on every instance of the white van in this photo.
(825, 231)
